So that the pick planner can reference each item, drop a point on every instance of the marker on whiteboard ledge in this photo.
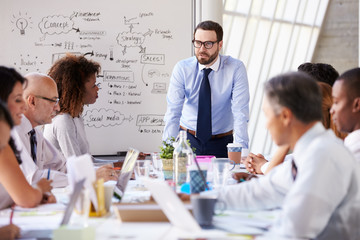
(121, 153)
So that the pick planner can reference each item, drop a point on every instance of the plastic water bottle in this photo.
(183, 156)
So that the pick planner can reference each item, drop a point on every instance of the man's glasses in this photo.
(55, 100)
(207, 44)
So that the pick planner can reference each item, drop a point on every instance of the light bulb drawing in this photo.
(22, 24)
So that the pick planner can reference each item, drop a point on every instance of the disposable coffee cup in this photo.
(197, 183)
(234, 152)
(109, 192)
(197, 178)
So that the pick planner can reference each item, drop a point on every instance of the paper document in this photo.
(79, 168)
(253, 223)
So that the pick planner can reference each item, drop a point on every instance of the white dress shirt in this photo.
(322, 203)
(352, 142)
(229, 98)
(47, 156)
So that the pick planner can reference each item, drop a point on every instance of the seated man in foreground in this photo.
(321, 198)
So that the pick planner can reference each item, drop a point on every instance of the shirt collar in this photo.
(214, 67)
(303, 143)
(352, 138)
(25, 125)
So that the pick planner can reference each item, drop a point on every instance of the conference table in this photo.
(230, 224)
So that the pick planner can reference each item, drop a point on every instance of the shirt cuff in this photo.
(264, 167)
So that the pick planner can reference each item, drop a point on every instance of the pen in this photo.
(117, 168)
(48, 176)
(12, 213)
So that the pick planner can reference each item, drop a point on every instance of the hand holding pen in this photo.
(44, 185)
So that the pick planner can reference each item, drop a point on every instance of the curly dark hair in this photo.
(322, 72)
(70, 74)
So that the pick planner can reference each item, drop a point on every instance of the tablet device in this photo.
(126, 172)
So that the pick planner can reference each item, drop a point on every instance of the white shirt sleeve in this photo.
(265, 192)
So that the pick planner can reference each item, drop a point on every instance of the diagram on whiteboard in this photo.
(137, 43)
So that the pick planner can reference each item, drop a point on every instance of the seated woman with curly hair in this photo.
(75, 77)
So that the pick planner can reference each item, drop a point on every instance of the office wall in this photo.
(338, 44)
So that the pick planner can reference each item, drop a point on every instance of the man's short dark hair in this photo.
(351, 82)
(297, 91)
(212, 26)
(322, 72)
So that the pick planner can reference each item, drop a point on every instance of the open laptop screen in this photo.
(126, 171)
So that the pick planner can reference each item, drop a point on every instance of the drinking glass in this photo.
(221, 169)
(141, 171)
(157, 165)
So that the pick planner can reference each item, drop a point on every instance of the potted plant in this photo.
(166, 155)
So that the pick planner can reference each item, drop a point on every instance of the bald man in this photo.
(41, 97)
(38, 155)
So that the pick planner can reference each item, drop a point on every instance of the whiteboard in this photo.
(137, 43)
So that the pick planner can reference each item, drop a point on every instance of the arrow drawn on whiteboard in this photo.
(130, 118)
(43, 38)
(124, 51)
(76, 29)
(149, 32)
(142, 75)
(142, 49)
(127, 22)
(90, 53)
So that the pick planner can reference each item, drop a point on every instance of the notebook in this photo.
(171, 205)
(47, 233)
(126, 172)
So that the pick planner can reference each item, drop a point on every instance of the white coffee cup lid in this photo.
(234, 145)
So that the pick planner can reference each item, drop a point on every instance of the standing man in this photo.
(208, 96)
(346, 108)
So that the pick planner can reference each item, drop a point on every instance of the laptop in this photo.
(48, 233)
(171, 205)
(126, 172)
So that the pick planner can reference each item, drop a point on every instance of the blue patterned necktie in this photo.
(203, 128)
(33, 144)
